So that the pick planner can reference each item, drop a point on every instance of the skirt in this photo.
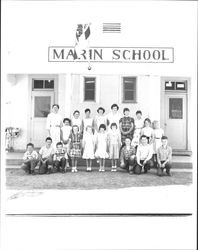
(75, 151)
(114, 151)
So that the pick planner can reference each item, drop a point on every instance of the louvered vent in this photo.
(111, 27)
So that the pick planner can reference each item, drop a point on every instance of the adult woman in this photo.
(54, 124)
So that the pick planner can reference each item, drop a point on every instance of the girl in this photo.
(76, 120)
(75, 144)
(101, 147)
(88, 146)
(87, 121)
(147, 130)
(139, 124)
(114, 143)
(100, 119)
(158, 133)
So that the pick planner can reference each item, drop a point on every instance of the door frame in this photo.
(30, 103)
(163, 104)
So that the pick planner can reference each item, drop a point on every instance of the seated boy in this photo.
(164, 157)
(143, 155)
(127, 156)
(30, 159)
(60, 157)
(46, 156)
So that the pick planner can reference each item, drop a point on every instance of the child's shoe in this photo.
(100, 169)
(113, 169)
(103, 169)
(88, 169)
(73, 170)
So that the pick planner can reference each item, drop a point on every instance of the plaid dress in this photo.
(75, 150)
(126, 123)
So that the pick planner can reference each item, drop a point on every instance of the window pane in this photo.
(49, 84)
(169, 85)
(129, 89)
(180, 85)
(89, 83)
(129, 95)
(175, 108)
(42, 106)
(37, 84)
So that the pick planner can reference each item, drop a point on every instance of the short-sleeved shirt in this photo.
(66, 130)
(59, 155)
(144, 152)
(164, 153)
(114, 118)
(126, 153)
(77, 122)
(46, 152)
(27, 155)
(54, 120)
(127, 123)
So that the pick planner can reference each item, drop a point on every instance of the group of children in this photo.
(133, 144)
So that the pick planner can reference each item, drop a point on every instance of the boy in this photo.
(144, 155)
(139, 124)
(60, 157)
(127, 156)
(46, 156)
(164, 157)
(30, 159)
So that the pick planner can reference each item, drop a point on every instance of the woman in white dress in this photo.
(54, 124)
(114, 116)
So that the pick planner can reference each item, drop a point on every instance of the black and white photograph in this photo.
(99, 124)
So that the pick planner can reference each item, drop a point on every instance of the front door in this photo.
(42, 102)
(175, 120)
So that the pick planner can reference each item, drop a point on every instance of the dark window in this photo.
(43, 84)
(180, 85)
(89, 88)
(175, 108)
(169, 85)
(172, 85)
(129, 89)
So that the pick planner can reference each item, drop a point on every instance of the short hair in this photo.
(138, 112)
(143, 136)
(76, 111)
(114, 124)
(87, 110)
(100, 108)
(30, 144)
(59, 144)
(114, 105)
(67, 119)
(48, 139)
(102, 126)
(148, 120)
(125, 109)
(55, 105)
(164, 137)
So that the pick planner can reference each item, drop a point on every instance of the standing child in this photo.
(144, 156)
(60, 158)
(30, 159)
(157, 135)
(87, 121)
(147, 130)
(65, 133)
(76, 120)
(88, 146)
(164, 157)
(139, 124)
(114, 143)
(75, 142)
(127, 156)
(101, 147)
(46, 156)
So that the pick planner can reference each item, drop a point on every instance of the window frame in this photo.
(123, 90)
(43, 79)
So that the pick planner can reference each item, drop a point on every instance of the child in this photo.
(87, 121)
(164, 157)
(88, 146)
(30, 159)
(139, 124)
(157, 135)
(127, 156)
(60, 158)
(114, 116)
(46, 156)
(76, 120)
(75, 142)
(100, 119)
(101, 147)
(114, 143)
(65, 133)
(144, 154)
(147, 130)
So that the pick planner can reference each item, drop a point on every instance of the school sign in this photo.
(112, 54)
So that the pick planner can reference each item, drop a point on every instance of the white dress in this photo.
(88, 142)
(100, 119)
(158, 133)
(139, 124)
(77, 122)
(87, 122)
(114, 118)
(54, 123)
(101, 141)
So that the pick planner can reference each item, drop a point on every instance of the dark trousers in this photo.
(128, 164)
(43, 165)
(167, 167)
(29, 165)
(138, 168)
(60, 164)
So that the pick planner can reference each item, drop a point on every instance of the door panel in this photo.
(41, 105)
(175, 120)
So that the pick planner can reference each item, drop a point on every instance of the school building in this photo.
(40, 70)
